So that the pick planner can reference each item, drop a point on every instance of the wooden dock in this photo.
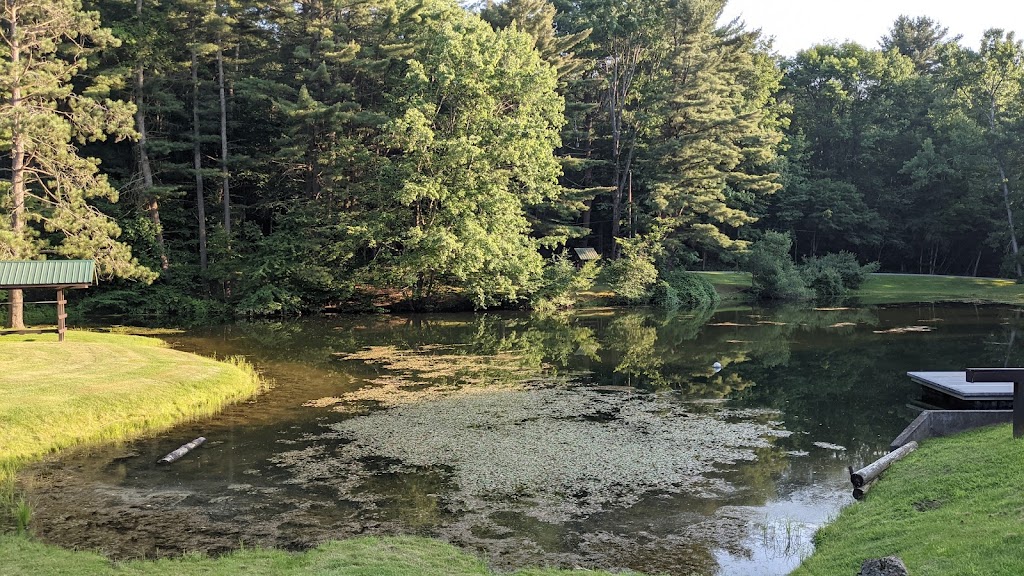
(953, 390)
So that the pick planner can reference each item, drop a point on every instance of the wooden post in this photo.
(1015, 375)
(61, 315)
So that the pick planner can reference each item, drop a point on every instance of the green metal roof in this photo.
(45, 273)
(587, 254)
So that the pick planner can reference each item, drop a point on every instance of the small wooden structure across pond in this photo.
(58, 275)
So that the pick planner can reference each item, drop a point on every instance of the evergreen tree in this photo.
(51, 193)
(712, 159)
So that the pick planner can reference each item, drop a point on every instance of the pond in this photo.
(603, 439)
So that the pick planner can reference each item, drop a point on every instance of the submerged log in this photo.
(868, 473)
(184, 449)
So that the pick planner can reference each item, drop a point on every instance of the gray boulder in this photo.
(888, 566)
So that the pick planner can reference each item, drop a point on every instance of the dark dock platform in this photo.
(951, 389)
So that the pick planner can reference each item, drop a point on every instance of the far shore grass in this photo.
(98, 387)
(898, 289)
(954, 507)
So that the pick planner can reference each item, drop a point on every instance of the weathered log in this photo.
(184, 449)
(861, 491)
(873, 470)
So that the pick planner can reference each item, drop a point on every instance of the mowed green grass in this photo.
(97, 387)
(955, 507)
(895, 288)
(898, 288)
(368, 556)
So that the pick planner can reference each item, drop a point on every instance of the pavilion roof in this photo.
(46, 273)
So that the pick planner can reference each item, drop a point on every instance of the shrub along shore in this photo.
(113, 387)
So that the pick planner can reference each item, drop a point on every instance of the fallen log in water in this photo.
(868, 473)
(185, 449)
(861, 491)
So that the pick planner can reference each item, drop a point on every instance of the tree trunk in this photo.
(1006, 188)
(197, 161)
(150, 201)
(15, 315)
(224, 142)
(1009, 217)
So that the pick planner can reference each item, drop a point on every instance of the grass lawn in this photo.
(108, 387)
(401, 556)
(954, 507)
(103, 387)
(898, 288)
(894, 288)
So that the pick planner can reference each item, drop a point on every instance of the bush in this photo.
(835, 275)
(825, 282)
(693, 290)
(561, 284)
(664, 296)
(632, 275)
(630, 278)
(773, 275)
(852, 275)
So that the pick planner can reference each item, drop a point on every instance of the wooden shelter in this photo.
(59, 275)
(584, 255)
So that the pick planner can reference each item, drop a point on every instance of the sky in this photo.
(799, 24)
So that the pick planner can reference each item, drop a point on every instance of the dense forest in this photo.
(290, 155)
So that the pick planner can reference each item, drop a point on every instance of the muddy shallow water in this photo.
(600, 440)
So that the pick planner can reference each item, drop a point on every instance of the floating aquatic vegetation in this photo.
(828, 446)
(554, 453)
(733, 324)
(390, 391)
(445, 362)
(905, 330)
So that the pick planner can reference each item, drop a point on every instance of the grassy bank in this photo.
(109, 387)
(403, 556)
(953, 507)
(898, 288)
(103, 387)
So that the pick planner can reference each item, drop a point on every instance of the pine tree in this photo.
(719, 135)
(46, 44)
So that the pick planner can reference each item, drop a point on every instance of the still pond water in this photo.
(606, 439)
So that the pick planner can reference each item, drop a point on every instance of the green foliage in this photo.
(21, 511)
(167, 298)
(664, 296)
(50, 107)
(562, 283)
(631, 276)
(773, 274)
(835, 275)
(693, 290)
